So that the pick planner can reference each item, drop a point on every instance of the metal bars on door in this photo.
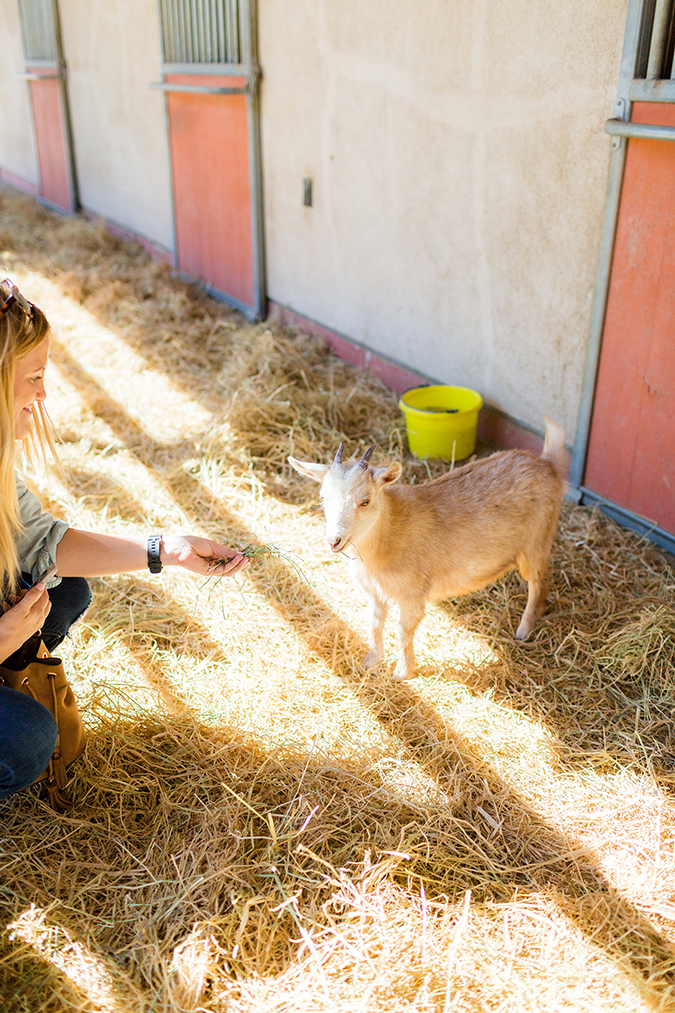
(39, 31)
(655, 53)
(200, 31)
(652, 75)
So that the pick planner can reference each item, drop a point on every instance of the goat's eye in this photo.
(364, 502)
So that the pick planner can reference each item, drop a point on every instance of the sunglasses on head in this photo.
(14, 297)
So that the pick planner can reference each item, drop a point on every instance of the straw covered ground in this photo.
(261, 825)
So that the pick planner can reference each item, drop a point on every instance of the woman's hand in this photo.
(23, 615)
(202, 555)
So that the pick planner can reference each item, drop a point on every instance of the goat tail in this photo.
(554, 447)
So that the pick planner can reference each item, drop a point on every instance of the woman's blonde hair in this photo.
(20, 332)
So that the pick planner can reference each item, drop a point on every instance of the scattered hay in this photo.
(260, 825)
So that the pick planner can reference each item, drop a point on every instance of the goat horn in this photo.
(363, 463)
(338, 456)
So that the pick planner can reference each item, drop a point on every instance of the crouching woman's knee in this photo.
(27, 741)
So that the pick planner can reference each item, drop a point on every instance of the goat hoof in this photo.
(401, 674)
(372, 660)
(523, 632)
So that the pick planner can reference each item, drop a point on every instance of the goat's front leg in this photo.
(377, 613)
(412, 614)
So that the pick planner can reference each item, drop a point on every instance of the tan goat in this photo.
(417, 543)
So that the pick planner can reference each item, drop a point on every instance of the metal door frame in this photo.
(645, 41)
(247, 67)
(51, 67)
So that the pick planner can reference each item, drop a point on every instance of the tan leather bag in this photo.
(31, 670)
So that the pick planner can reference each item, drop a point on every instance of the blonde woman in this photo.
(45, 562)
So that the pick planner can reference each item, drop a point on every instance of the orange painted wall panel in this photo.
(631, 458)
(212, 194)
(51, 143)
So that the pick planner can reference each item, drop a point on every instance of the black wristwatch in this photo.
(154, 553)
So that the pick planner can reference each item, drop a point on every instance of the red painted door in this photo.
(51, 138)
(631, 453)
(209, 137)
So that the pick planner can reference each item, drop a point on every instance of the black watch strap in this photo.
(154, 553)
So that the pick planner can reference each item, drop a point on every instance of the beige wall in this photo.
(18, 154)
(458, 160)
(113, 52)
(459, 168)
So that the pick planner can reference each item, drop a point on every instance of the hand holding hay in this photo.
(203, 555)
(252, 552)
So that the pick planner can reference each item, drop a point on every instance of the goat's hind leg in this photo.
(377, 609)
(538, 583)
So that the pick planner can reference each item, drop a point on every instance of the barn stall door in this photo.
(629, 465)
(45, 71)
(210, 76)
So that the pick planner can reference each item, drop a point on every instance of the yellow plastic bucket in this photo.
(441, 421)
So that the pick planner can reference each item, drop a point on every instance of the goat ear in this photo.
(384, 476)
(313, 471)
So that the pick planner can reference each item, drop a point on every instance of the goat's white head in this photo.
(350, 494)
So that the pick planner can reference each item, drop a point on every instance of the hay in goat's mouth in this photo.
(260, 824)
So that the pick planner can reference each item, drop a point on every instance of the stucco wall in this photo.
(18, 154)
(459, 169)
(113, 52)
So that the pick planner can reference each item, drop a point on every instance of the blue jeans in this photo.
(27, 740)
(27, 729)
(70, 600)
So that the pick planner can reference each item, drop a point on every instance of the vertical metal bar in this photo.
(199, 30)
(175, 31)
(215, 39)
(247, 22)
(206, 37)
(31, 31)
(222, 38)
(170, 47)
(644, 39)
(162, 28)
(209, 33)
(629, 62)
(187, 17)
(200, 27)
(24, 20)
(230, 32)
(65, 106)
(42, 42)
(163, 25)
(209, 24)
(215, 34)
(25, 14)
(189, 33)
(238, 14)
(183, 51)
(659, 39)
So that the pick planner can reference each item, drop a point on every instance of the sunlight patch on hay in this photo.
(149, 398)
(448, 642)
(56, 945)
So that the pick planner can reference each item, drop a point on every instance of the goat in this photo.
(444, 538)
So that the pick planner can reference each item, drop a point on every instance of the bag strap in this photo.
(56, 777)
